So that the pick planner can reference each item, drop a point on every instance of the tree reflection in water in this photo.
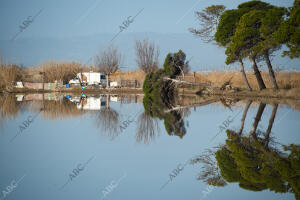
(253, 161)
(160, 108)
(147, 129)
(107, 119)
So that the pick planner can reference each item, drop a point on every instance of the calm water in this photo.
(67, 147)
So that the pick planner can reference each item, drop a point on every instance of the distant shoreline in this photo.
(78, 91)
(242, 94)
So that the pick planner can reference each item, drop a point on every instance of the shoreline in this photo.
(293, 94)
(79, 91)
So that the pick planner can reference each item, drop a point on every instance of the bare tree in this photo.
(108, 62)
(146, 55)
(209, 20)
(147, 128)
(108, 121)
(210, 172)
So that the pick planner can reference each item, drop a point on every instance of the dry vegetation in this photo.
(138, 75)
(60, 71)
(64, 71)
(147, 54)
(9, 107)
(9, 74)
(285, 79)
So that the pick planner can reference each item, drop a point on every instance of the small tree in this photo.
(175, 64)
(108, 62)
(146, 55)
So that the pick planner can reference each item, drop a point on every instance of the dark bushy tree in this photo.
(245, 37)
(259, 41)
(289, 32)
(160, 93)
(269, 24)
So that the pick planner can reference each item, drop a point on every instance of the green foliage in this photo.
(174, 64)
(227, 165)
(246, 36)
(153, 81)
(289, 32)
(248, 30)
(229, 19)
(254, 5)
(227, 25)
(215, 9)
(256, 167)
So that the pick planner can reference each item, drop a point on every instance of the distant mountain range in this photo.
(202, 56)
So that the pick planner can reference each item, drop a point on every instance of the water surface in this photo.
(62, 146)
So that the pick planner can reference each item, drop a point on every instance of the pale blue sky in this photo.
(73, 30)
(64, 18)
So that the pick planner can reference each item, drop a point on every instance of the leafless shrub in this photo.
(108, 62)
(210, 173)
(146, 55)
(209, 19)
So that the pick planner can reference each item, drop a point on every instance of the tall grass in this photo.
(138, 75)
(285, 79)
(9, 107)
(9, 74)
(61, 71)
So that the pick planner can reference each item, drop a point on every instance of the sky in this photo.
(73, 30)
(65, 18)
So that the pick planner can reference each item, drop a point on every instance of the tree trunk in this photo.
(107, 81)
(257, 119)
(244, 75)
(107, 101)
(271, 71)
(80, 78)
(244, 116)
(271, 121)
(257, 74)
